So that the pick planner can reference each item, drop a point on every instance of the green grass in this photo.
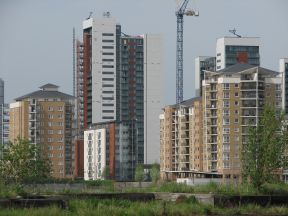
(123, 207)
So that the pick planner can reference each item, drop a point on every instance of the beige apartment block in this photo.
(45, 117)
(203, 137)
(233, 100)
(181, 139)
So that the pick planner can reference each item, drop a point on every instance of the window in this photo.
(236, 94)
(50, 116)
(226, 95)
(107, 66)
(236, 103)
(108, 73)
(50, 108)
(107, 34)
(107, 53)
(60, 116)
(50, 131)
(226, 164)
(105, 104)
(226, 86)
(226, 130)
(108, 41)
(60, 132)
(226, 121)
(226, 156)
(107, 47)
(226, 138)
(237, 138)
(236, 85)
(107, 79)
(236, 121)
(107, 85)
(236, 129)
(50, 140)
(226, 147)
(108, 60)
(107, 111)
(226, 103)
(107, 92)
(226, 112)
(236, 112)
(60, 108)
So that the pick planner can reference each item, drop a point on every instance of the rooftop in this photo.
(47, 91)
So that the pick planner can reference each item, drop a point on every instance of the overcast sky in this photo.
(36, 36)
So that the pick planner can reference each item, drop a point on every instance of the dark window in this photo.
(107, 85)
(107, 66)
(107, 34)
(107, 72)
(107, 79)
(107, 47)
(108, 105)
(108, 98)
(108, 60)
(107, 41)
(107, 111)
(108, 92)
(108, 117)
(107, 53)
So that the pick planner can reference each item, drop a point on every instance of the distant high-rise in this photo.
(45, 117)
(233, 50)
(121, 81)
(202, 63)
(1, 105)
(283, 68)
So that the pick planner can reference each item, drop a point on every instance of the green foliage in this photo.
(23, 161)
(174, 187)
(155, 173)
(139, 173)
(264, 152)
(106, 173)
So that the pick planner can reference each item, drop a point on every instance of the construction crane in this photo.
(180, 12)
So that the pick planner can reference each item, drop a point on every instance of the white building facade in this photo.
(233, 50)
(103, 67)
(153, 86)
(94, 154)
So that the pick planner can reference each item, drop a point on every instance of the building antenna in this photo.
(233, 31)
(90, 15)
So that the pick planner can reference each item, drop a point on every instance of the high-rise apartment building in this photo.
(233, 100)
(283, 68)
(233, 50)
(1, 105)
(121, 80)
(181, 136)
(216, 126)
(45, 117)
(4, 120)
(202, 63)
(4, 124)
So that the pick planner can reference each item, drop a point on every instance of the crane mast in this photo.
(179, 49)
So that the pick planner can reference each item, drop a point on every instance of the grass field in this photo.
(161, 208)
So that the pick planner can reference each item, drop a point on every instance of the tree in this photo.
(139, 173)
(155, 173)
(265, 152)
(106, 173)
(22, 161)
